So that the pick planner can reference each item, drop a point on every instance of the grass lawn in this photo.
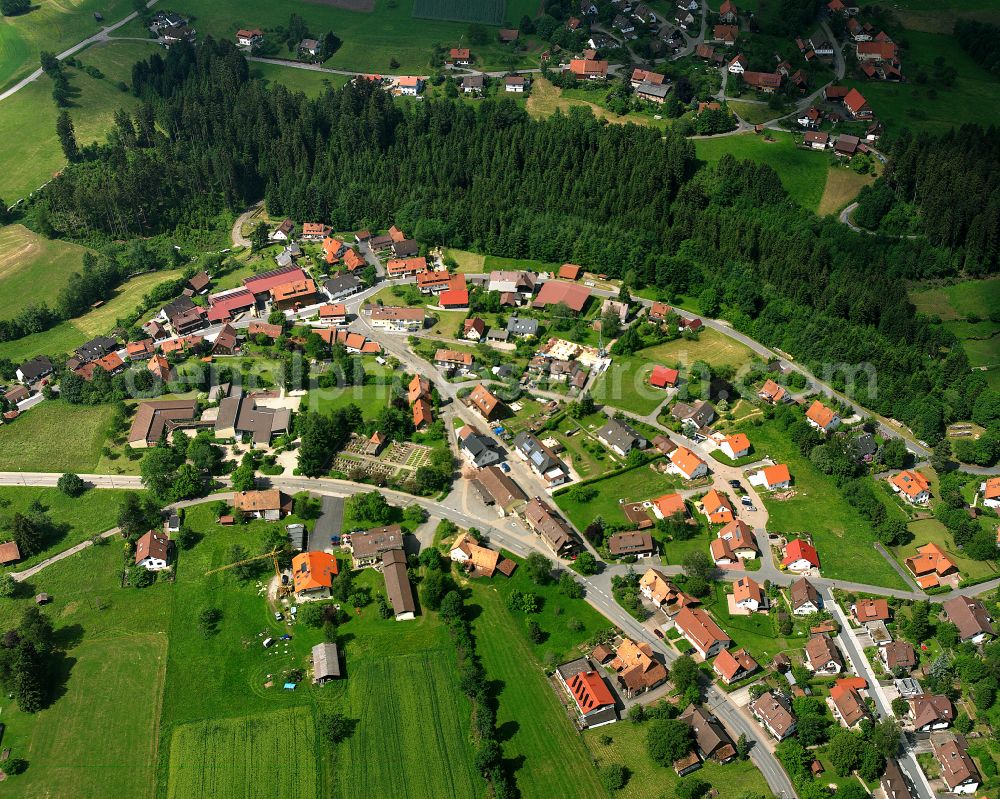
(27, 161)
(538, 740)
(370, 39)
(68, 335)
(633, 485)
(958, 301)
(468, 262)
(625, 384)
(115, 648)
(755, 632)
(370, 398)
(311, 83)
(628, 747)
(929, 107)
(91, 513)
(753, 113)
(842, 187)
(55, 436)
(587, 455)
(52, 26)
(931, 530)
(843, 538)
(802, 172)
(492, 262)
(33, 268)
(244, 756)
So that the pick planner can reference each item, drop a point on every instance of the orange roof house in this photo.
(929, 565)
(294, 291)
(869, 610)
(419, 387)
(570, 271)
(669, 505)
(800, 555)
(588, 68)
(353, 260)
(687, 463)
(776, 476)
(160, 367)
(590, 692)
(912, 485)
(313, 572)
(822, 417)
(332, 248)
(423, 414)
(736, 446)
(485, 403)
(663, 377)
(734, 665)
(717, 507)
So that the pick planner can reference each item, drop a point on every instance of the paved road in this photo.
(103, 35)
(328, 524)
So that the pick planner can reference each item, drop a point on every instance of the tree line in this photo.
(624, 200)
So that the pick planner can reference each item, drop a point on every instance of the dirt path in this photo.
(239, 240)
(28, 573)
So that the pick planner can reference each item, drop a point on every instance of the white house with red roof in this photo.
(664, 377)
(912, 486)
(800, 556)
(822, 418)
(773, 477)
(735, 446)
(687, 464)
(991, 492)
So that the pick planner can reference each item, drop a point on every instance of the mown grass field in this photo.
(33, 268)
(628, 748)
(99, 737)
(842, 187)
(86, 516)
(54, 25)
(546, 99)
(974, 97)
(537, 736)
(68, 335)
(843, 537)
(28, 161)
(370, 398)
(268, 755)
(803, 172)
(55, 436)
(753, 113)
(755, 632)
(311, 83)
(625, 384)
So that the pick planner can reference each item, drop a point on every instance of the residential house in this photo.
(476, 448)
(226, 342)
(333, 314)
(556, 292)
(721, 552)
(711, 739)
(930, 712)
(152, 551)
(542, 460)
(898, 656)
(624, 24)
(805, 599)
(870, 611)
(480, 560)
(140, 350)
(735, 446)
(727, 34)
(912, 486)
(857, 106)
(773, 477)
(16, 394)
(473, 84)
(847, 705)
(702, 632)
(240, 417)
(638, 671)
(689, 465)
(515, 84)
(811, 118)
(748, 594)
(876, 52)
(930, 565)
(738, 535)
(738, 65)
(970, 617)
(632, 542)
(313, 573)
(816, 139)
(546, 523)
(423, 414)
(521, 284)
(453, 361)
(653, 92)
(315, 231)
(698, 414)
(35, 370)
(638, 514)
(486, 403)
(991, 492)
(309, 47)
(460, 56)
(664, 377)
(342, 285)
(591, 695)
(717, 508)
(800, 556)
(774, 713)
(270, 504)
(395, 319)
(958, 770)
(497, 334)
(766, 82)
(354, 261)
(620, 437)
(894, 783)
(410, 86)
(368, 547)
(159, 367)
(846, 145)
(822, 418)
(772, 392)
(733, 665)
(249, 38)
(822, 656)
(662, 593)
(333, 249)
(498, 489)
(522, 326)
(326, 663)
(397, 584)
(473, 329)
(284, 232)
(728, 12)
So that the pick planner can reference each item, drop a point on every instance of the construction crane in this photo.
(283, 589)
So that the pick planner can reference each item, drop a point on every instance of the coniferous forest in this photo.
(624, 200)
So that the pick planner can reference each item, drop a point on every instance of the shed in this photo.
(326, 663)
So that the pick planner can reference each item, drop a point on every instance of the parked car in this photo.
(658, 632)
(747, 501)
(736, 484)
(505, 468)
(279, 616)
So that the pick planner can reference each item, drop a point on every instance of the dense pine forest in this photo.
(624, 200)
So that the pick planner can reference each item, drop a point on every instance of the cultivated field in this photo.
(802, 172)
(33, 269)
(270, 756)
(488, 12)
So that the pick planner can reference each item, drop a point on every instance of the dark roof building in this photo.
(397, 584)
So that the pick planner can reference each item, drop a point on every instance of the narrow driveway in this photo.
(328, 524)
